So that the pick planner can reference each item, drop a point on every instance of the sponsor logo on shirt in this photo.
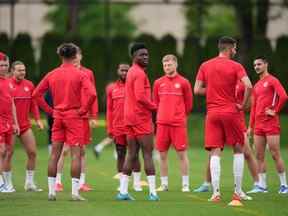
(162, 84)
(177, 85)
(265, 84)
(11, 86)
(26, 89)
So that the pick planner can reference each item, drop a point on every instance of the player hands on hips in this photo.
(172, 94)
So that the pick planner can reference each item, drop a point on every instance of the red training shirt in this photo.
(6, 115)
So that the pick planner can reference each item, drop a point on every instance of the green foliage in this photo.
(210, 49)
(91, 20)
(211, 19)
(4, 43)
(22, 50)
(48, 57)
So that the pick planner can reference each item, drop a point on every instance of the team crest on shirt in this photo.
(26, 89)
(162, 84)
(177, 85)
(265, 84)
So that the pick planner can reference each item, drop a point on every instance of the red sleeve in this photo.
(282, 95)
(201, 75)
(34, 109)
(188, 97)
(155, 93)
(89, 93)
(94, 107)
(140, 95)
(38, 95)
(241, 72)
(109, 111)
(253, 110)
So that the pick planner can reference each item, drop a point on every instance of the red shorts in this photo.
(69, 131)
(134, 131)
(24, 129)
(166, 135)
(120, 139)
(221, 129)
(86, 132)
(6, 137)
(267, 130)
(243, 122)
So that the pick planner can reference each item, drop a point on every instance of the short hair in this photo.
(3, 56)
(263, 58)
(169, 57)
(15, 63)
(226, 42)
(135, 47)
(67, 50)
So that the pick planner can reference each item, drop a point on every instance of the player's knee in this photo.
(32, 155)
(275, 154)
(247, 156)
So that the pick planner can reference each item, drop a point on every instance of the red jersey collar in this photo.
(138, 66)
(3, 77)
(67, 65)
(174, 77)
(15, 80)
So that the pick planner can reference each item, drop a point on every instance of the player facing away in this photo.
(217, 79)
(69, 86)
(8, 116)
(115, 95)
(138, 108)
(248, 153)
(268, 98)
(89, 119)
(172, 94)
(21, 91)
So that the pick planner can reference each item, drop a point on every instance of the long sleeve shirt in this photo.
(66, 84)
(6, 115)
(138, 105)
(174, 99)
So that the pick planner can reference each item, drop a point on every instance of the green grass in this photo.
(102, 202)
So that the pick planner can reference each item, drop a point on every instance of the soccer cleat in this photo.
(117, 176)
(257, 189)
(185, 188)
(96, 152)
(4, 189)
(143, 183)
(9, 189)
(162, 188)
(85, 188)
(32, 188)
(236, 200)
(153, 197)
(77, 198)
(51, 197)
(59, 187)
(137, 188)
(283, 189)
(245, 197)
(215, 198)
(203, 188)
(125, 197)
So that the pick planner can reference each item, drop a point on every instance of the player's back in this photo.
(221, 75)
(65, 85)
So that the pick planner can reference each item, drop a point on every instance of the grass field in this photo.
(101, 200)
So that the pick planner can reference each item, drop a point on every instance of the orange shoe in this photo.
(85, 188)
(236, 200)
(59, 187)
(215, 198)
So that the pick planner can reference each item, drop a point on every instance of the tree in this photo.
(4, 43)
(88, 18)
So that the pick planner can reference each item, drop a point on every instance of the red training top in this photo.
(6, 115)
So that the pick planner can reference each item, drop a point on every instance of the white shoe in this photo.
(77, 198)
(162, 188)
(137, 188)
(185, 188)
(32, 188)
(51, 197)
(9, 189)
(245, 197)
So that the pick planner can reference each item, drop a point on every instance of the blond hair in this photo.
(169, 57)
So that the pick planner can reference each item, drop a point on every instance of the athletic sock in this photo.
(238, 167)
(51, 185)
(29, 177)
(215, 168)
(75, 186)
(185, 181)
(282, 178)
(58, 178)
(262, 180)
(136, 179)
(82, 178)
(124, 179)
(164, 180)
(152, 184)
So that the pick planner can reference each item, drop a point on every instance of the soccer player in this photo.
(268, 98)
(115, 93)
(138, 108)
(98, 148)
(8, 116)
(69, 87)
(21, 91)
(172, 94)
(90, 119)
(217, 79)
(248, 154)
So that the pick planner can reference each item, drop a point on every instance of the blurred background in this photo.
(31, 30)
